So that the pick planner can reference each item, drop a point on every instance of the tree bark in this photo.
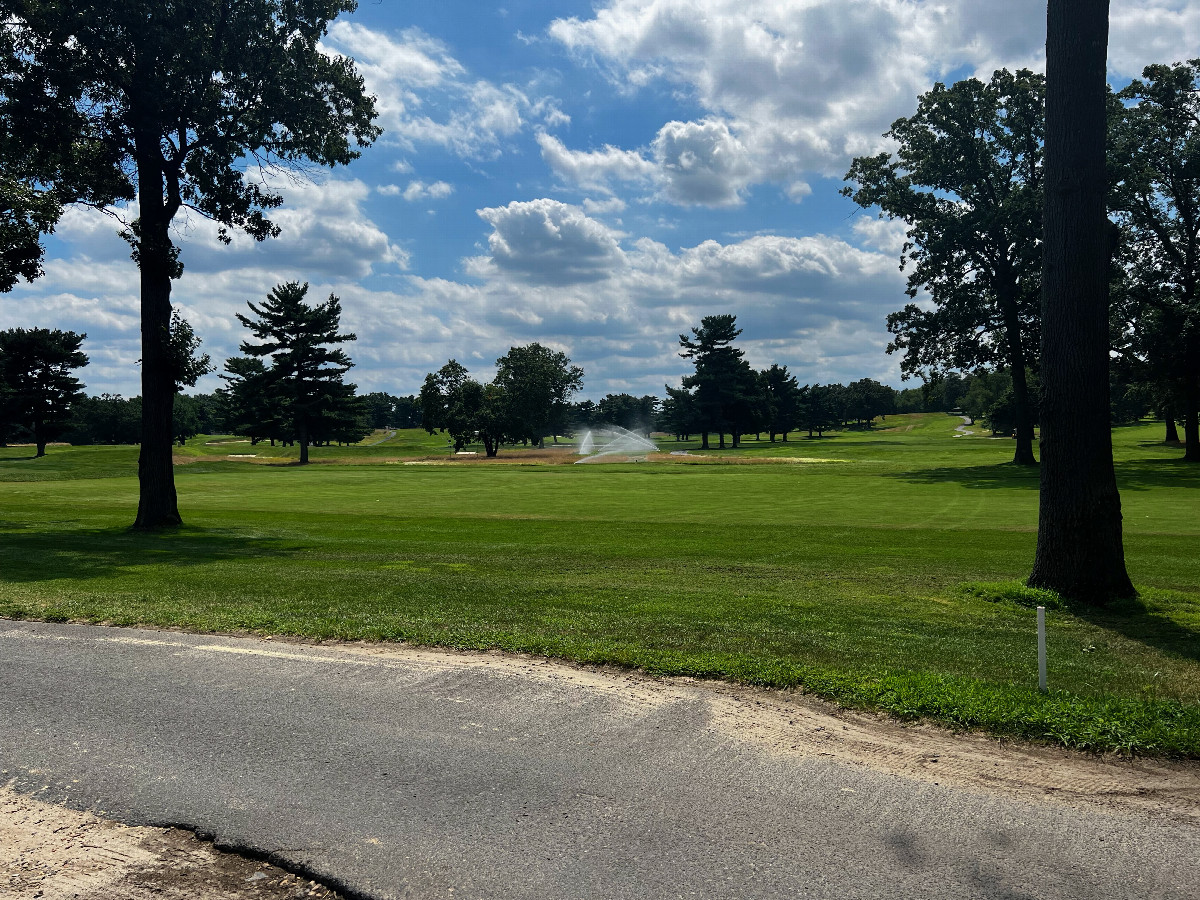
(1079, 549)
(1191, 419)
(158, 505)
(1172, 432)
(302, 436)
(1023, 454)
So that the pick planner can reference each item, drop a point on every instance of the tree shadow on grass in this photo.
(1139, 475)
(1145, 474)
(1134, 620)
(97, 553)
(1001, 475)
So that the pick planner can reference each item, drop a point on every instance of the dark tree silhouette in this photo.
(1155, 153)
(967, 181)
(1079, 549)
(37, 388)
(304, 382)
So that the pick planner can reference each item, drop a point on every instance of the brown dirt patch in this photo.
(52, 853)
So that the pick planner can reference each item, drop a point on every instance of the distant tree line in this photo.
(725, 396)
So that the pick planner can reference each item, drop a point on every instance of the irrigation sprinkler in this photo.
(1041, 625)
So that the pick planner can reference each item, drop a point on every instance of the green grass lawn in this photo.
(885, 575)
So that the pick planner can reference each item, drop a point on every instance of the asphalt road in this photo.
(444, 775)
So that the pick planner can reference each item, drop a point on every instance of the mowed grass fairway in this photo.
(878, 568)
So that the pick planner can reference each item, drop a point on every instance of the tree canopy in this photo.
(966, 180)
(1154, 163)
(727, 395)
(538, 384)
(191, 103)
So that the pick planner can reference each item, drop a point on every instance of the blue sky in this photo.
(596, 177)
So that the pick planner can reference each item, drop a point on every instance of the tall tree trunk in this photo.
(158, 505)
(704, 440)
(1191, 418)
(1172, 432)
(1023, 454)
(1079, 549)
(302, 437)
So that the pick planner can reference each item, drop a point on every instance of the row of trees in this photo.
(968, 180)
(527, 401)
(301, 397)
(530, 398)
(113, 419)
(724, 395)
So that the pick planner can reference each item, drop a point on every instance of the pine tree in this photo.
(727, 396)
(36, 384)
(304, 381)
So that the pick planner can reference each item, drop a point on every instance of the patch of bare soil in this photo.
(794, 724)
(51, 853)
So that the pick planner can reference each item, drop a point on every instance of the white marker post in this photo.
(1041, 611)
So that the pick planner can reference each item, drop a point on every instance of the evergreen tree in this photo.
(246, 405)
(304, 380)
(784, 401)
(727, 395)
(37, 388)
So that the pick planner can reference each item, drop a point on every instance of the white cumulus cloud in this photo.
(426, 96)
(547, 242)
